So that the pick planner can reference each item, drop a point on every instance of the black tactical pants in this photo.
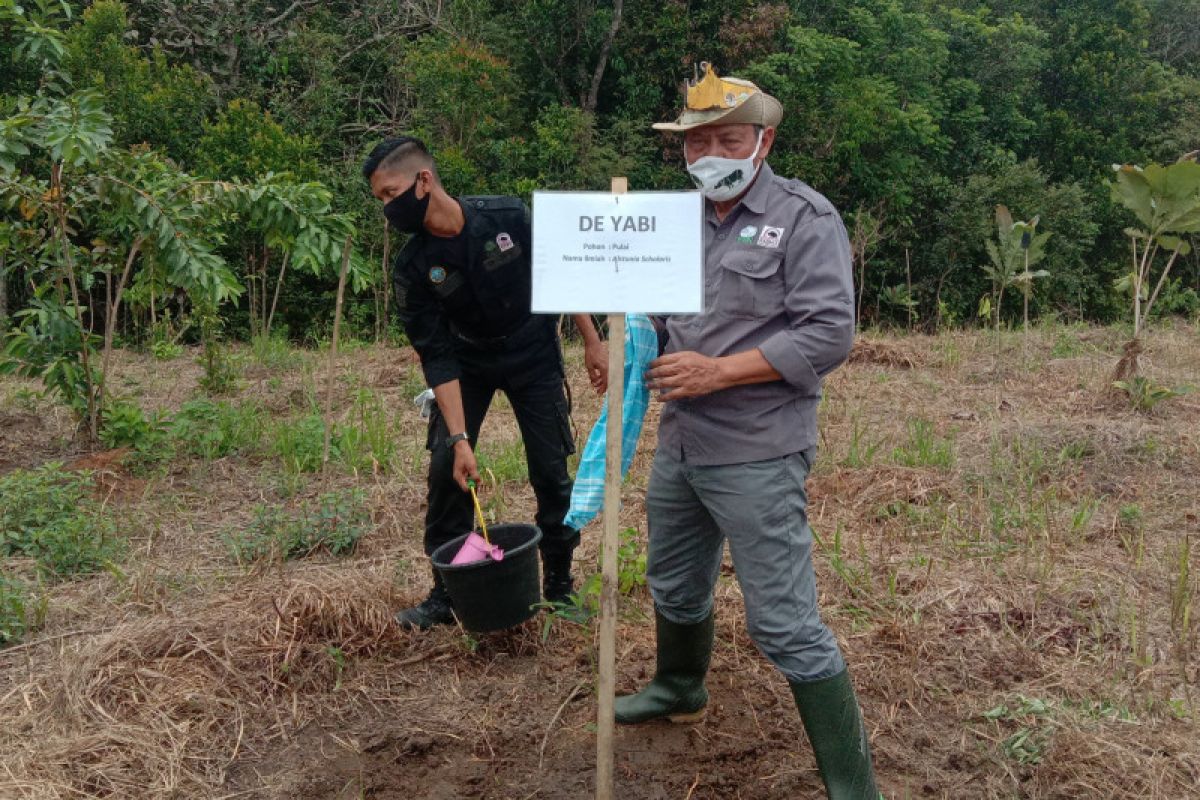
(529, 370)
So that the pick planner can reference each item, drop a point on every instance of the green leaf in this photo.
(1132, 189)
(1170, 242)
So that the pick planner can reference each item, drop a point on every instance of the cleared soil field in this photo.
(1008, 553)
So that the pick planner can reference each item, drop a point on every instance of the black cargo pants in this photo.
(528, 368)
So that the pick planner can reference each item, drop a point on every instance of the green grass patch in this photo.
(368, 442)
(334, 523)
(505, 460)
(923, 447)
(274, 352)
(862, 449)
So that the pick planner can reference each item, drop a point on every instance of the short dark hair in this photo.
(395, 151)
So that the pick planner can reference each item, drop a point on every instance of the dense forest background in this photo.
(916, 118)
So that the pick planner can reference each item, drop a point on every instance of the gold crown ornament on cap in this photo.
(713, 100)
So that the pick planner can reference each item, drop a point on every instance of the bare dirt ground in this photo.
(1003, 554)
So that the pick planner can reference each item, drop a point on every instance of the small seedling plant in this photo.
(1144, 394)
(1166, 203)
(584, 604)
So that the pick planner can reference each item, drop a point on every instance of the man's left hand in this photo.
(595, 358)
(685, 374)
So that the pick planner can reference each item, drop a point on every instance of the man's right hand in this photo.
(465, 467)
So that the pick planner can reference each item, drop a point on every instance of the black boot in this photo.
(677, 692)
(434, 610)
(834, 724)
(557, 580)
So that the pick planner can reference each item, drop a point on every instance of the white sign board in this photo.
(618, 253)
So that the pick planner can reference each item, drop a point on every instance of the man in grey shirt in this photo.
(738, 435)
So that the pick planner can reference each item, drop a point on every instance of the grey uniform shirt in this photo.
(777, 277)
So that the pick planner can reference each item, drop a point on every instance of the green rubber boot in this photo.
(834, 724)
(677, 692)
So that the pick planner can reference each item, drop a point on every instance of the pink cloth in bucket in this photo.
(476, 548)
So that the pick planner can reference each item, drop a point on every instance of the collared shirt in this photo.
(472, 287)
(777, 277)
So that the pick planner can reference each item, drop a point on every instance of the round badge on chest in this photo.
(437, 275)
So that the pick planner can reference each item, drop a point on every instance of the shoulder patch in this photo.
(819, 203)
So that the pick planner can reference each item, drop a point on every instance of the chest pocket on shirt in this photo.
(750, 285)
(496, 260)
(449, 286)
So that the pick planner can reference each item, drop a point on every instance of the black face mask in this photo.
(405, 212)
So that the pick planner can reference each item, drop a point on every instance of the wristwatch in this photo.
(455, 439)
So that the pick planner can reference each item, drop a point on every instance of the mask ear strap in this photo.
(758, 144)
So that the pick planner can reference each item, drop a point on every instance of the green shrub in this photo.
(212, 430)
(19, 613)
(300, 443)
(79, 545)
(124, 424)
(1178, 300)
(335, 524)
(49, 515)
(165, 351)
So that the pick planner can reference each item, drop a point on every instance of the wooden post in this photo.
(608, 575)
(333, 345)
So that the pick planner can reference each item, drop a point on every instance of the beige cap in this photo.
(724, 101)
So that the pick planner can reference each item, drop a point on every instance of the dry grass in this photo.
(999, 553)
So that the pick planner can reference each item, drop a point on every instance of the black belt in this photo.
(519, 336)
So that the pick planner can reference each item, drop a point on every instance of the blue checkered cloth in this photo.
(641, 347)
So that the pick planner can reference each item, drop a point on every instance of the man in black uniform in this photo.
(463, 292)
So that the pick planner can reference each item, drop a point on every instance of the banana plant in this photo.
(1166, 202)
(1018, 246)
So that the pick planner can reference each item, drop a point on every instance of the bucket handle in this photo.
(478, 511)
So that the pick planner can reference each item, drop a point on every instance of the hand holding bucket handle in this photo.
(465, 468)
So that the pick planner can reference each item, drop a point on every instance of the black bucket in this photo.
(493, 595)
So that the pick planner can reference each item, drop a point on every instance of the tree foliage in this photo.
(93, 214)
(925, 116)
